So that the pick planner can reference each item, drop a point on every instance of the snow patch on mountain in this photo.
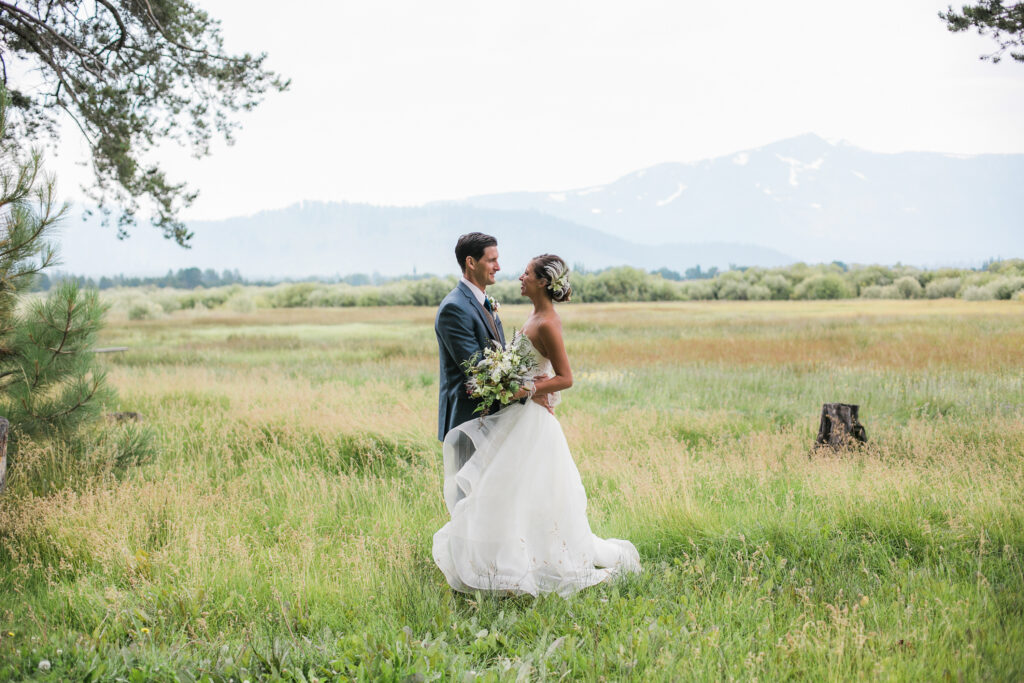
(672, 197)
(796, 167)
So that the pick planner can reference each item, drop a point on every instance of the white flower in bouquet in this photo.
(499, 373)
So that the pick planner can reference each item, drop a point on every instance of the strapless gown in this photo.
(519, 511)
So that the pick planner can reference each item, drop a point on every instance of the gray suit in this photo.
(462, 329)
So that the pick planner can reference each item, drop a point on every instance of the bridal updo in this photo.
(553, 269)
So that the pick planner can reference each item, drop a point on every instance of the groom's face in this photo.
(482, 271)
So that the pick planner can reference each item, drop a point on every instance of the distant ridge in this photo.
(798, 199)
(325, 239)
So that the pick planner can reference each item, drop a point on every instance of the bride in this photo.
(518, 508)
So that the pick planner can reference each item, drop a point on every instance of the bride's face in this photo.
(531, 284)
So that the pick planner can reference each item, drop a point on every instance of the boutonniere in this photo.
(492, 304)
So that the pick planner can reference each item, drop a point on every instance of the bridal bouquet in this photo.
(500, 372)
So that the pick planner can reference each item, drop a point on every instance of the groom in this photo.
(465, 325)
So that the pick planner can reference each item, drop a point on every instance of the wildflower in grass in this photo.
(144, 630)
(44, 664)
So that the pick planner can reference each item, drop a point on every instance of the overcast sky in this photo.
(401, 103)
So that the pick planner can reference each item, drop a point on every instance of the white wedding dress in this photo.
(519, 511)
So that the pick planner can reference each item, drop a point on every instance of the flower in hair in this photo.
(559, 281)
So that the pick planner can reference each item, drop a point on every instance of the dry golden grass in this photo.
(298, 484)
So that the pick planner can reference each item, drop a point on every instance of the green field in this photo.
(282, 527)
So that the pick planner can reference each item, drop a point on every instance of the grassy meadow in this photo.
(281, 528)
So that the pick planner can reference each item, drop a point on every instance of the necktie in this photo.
(490, 319)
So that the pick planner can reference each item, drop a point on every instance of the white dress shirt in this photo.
(477, 292)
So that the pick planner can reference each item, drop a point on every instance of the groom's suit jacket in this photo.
(462, 329)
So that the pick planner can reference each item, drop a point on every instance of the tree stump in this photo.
(839, 426)
(125, 417)
(4, 428)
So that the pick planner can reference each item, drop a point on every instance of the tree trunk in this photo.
(839, 425)
(4, 428)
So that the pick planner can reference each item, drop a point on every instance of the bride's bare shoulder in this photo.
(542, 329)
(549, 328)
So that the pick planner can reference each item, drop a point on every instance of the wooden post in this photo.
(4, 428)
(839, 425)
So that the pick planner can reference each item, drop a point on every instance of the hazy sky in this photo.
(408, 102)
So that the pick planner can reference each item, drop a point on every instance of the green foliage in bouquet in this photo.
(500, 372)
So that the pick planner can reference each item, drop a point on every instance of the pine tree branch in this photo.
(119, 43)
(27, 175)
(41, 226)
(58, 71)
(63, 413)
(187, 48)
(28, 18)
(54, 353)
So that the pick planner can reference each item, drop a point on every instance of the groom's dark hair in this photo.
(472, 244)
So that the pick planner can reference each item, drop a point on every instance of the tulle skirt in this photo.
(519, 511)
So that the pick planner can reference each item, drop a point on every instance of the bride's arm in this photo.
(550, 337)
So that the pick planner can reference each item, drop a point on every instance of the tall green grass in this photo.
(283, 528)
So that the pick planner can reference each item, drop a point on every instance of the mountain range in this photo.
(815, 200)
(798, 199)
